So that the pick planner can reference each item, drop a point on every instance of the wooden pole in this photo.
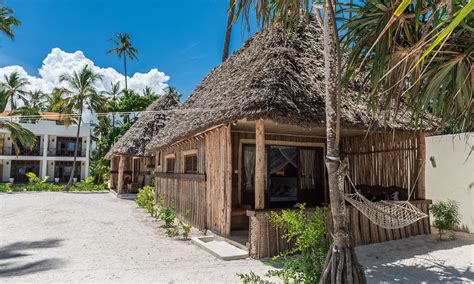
(421, 160)
(259, 164)
(120, 174)
(113, 175)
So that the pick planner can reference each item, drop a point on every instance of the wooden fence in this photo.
(266, 240)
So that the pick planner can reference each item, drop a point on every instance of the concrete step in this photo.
(220, 247)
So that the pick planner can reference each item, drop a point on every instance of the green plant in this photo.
(446, 216)
(307, 232)
(89, 185)
(172, 231)
(168, 215)
(252, 278)
(36, 179)
(185, 229)
(145, 197)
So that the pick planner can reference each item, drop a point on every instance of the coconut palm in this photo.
(14, 85)
(228, 30)
(33, 103)
(113, 92)
(8, 21)
(123, 48)
(441, 83)
(20, 136)
(81, 95)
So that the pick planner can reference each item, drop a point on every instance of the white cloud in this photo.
(58, 62)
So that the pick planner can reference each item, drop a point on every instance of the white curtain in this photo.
(249, 166)
(280, 157)
(307, 158)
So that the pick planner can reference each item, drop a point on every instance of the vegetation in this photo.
(446, 216)
(305, 262)
(8, 21)
(123, 48)
(49, 186)
(37, 180)
(81, 92)
(146, 199)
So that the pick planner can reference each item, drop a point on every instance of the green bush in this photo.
(89, 185)
(305, 262)
(7, 187)
(252, 278)
(446, 216)
(185, 229)
(172, 231)
(168, 215)
(145, 197)
(36, 179)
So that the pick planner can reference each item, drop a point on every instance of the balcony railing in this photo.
(65, 153)
(8, 151)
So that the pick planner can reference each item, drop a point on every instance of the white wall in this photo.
(450, 173)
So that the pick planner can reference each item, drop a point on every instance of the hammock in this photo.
(387, 214)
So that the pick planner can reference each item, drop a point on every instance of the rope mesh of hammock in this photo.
(387, 214)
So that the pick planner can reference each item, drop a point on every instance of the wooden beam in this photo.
(259, 164)
(113, 173)
(120, 174)
(421, 160)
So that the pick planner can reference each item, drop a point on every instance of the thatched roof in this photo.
(270, 77)
(134, 141)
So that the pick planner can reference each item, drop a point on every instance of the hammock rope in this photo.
(392, 214)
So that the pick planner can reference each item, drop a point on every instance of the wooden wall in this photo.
(187, 196)
(266, 241)
(202, 199)
(383, 159)
(219, 179)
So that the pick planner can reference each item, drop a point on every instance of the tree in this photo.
(19, 135)
(228, 30)
(33, 103)
(14, 85)
(124, 48)
(113, 92)
(8, 21)
(82, 94)
(341, 263)
(440, 82)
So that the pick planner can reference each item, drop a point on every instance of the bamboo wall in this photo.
(202, 199)
(266, 241)
(187, 197)
(383, 159)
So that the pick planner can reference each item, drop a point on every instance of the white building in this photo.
(52, 155)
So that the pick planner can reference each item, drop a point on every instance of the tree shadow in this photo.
(13, 263)
(415, 259)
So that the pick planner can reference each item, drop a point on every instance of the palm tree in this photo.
(33, 103)
(113, 92)
(81, 94)
(19, 135)
(228, 30)
(14, 85)
(441, 84)
(7, 21)
(123, 48)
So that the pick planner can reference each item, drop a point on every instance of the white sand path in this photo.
(82, 237)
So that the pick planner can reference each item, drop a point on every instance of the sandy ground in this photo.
(420, 259)
(85, 237)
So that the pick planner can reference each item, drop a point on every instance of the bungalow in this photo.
(131, 165)
(251, 139)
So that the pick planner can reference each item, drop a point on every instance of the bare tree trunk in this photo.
(341, 264)
(125, 70)
(228, 30)
(12, 101)
(71, 177)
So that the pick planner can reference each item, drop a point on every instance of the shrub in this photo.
(168, 215)
(172, 231)
(185, 229)
(145, 197)
(89, 185)
(305, 262)
(446, 216)
(36, 179)
(252, 278)
(6, 187)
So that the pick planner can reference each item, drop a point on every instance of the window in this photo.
(190, 164)
(170, 165)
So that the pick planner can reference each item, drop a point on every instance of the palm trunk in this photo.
(12, 101)
(341, 264)
(125, 70)
(71, 178)
(228, 30)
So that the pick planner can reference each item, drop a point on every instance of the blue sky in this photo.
(183, 39)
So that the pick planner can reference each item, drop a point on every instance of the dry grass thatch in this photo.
(275, 78)
(134, 141)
